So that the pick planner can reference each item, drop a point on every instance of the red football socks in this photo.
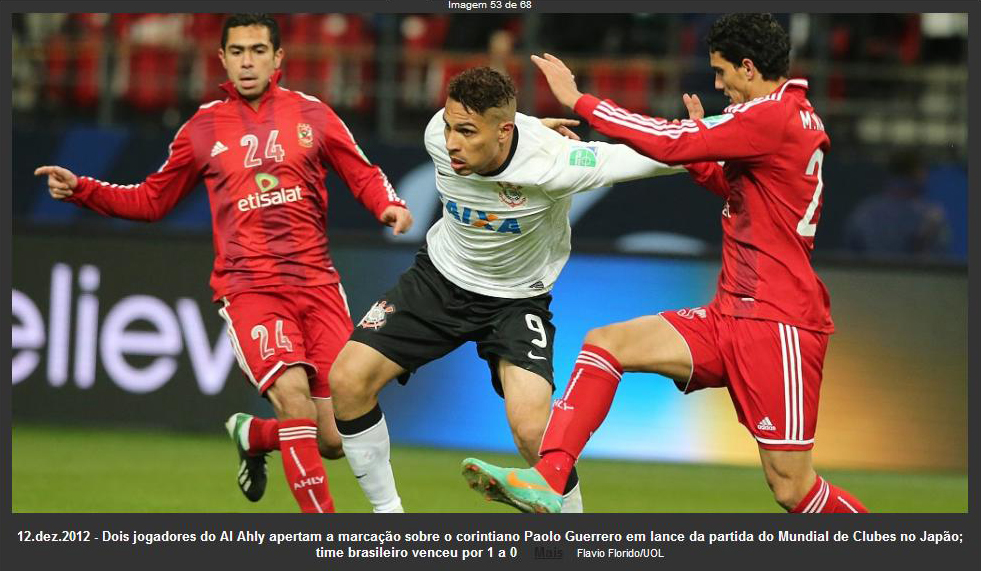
(304, 470)
(578, 413)
(263, 435)
(555, 467)
(827, 498)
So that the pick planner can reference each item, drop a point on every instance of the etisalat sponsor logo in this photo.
(267, 196)
(138, 342)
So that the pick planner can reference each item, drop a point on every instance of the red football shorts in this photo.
(273, 329)
(772, 370)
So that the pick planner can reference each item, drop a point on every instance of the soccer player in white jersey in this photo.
(506, 182)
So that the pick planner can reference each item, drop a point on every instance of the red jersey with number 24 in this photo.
(264, 170)
(764, 158)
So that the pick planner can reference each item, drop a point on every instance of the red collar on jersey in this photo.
(797, 82)
(775, 95)
(229, 87)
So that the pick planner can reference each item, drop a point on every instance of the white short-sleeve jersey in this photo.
(507, 234)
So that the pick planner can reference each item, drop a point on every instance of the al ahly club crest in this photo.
(511, 194)
(304, 134)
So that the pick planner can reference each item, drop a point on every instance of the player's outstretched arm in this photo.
(560, 79)
(633, 129)
(366, 180)
(147, 201)
(619, 163)
(398, 218)
(563, 84)
(61, 181)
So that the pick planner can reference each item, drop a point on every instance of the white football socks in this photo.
(368, 453)
(572, 502)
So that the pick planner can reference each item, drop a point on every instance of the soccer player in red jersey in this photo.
(765, 334)
(263, 154)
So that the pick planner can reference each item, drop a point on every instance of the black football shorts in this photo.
(425, 316)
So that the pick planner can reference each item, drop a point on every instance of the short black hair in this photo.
(236, 20)
(481, 88)
(757, 37)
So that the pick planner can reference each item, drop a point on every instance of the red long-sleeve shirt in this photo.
(264, 170)
(773, 148)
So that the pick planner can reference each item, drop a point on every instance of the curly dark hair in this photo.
(757, 37)
(236, 20)
(481, 88)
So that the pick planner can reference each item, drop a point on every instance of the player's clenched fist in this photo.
(400, 219)
(61, 181)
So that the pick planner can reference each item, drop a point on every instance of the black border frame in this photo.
(682, 555)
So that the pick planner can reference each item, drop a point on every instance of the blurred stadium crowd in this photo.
(883, 83)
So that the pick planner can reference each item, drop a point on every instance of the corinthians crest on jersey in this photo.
(511, 194)
(376, 316)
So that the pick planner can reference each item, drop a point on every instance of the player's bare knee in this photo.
(784, 487)
(785, 494)
(290, 395)
(331, 449)
(789, 475)
(293, 405)
(604, 337)
(338, 378)
(528, 438)
(346, 387)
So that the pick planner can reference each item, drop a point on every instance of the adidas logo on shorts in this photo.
(765, 424)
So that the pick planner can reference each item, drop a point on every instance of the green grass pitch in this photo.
(71, 470)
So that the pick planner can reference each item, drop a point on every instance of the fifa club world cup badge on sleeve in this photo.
(304, 134)
(583, 157)
(376, 316)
